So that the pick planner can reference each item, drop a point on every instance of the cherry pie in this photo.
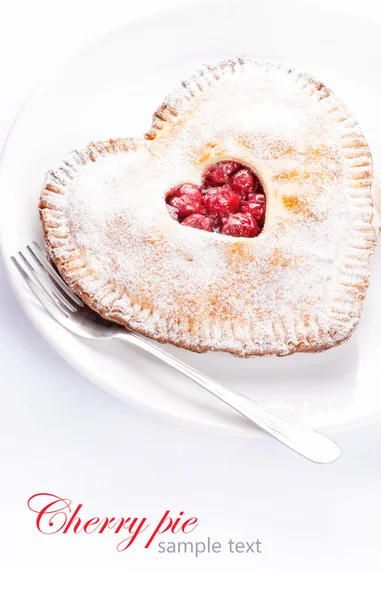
(242, 221)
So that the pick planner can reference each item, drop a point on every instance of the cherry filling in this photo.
(230, 201)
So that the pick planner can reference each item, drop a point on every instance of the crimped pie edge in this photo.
(352, 274)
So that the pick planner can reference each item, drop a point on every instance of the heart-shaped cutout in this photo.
(230, 201)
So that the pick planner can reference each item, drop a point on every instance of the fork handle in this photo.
(307, 442)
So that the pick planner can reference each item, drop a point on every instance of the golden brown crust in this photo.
(288, 334)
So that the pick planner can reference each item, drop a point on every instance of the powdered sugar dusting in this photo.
(276, 293)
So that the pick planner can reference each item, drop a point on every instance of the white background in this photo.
(60, 434)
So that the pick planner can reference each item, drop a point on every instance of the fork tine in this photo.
(54, 294)
(45, 279)
(40, 258)
(42, 296)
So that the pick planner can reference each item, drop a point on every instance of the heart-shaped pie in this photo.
(241, 222)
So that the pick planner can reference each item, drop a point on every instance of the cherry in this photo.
(221, 201)
(240, 225)
(219, 173)
(186, 200)
(243, 182)
(256, 207)
(198, 222)
(173, 212)
(188, 189)
(230, 201)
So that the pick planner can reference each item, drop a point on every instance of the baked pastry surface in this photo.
(298, 286)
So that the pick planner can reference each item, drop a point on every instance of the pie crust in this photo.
(299, 286)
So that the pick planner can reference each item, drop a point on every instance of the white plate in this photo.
(111, 89)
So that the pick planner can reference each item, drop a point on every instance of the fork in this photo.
(66, 308)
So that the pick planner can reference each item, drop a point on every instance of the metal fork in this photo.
(66, 308)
